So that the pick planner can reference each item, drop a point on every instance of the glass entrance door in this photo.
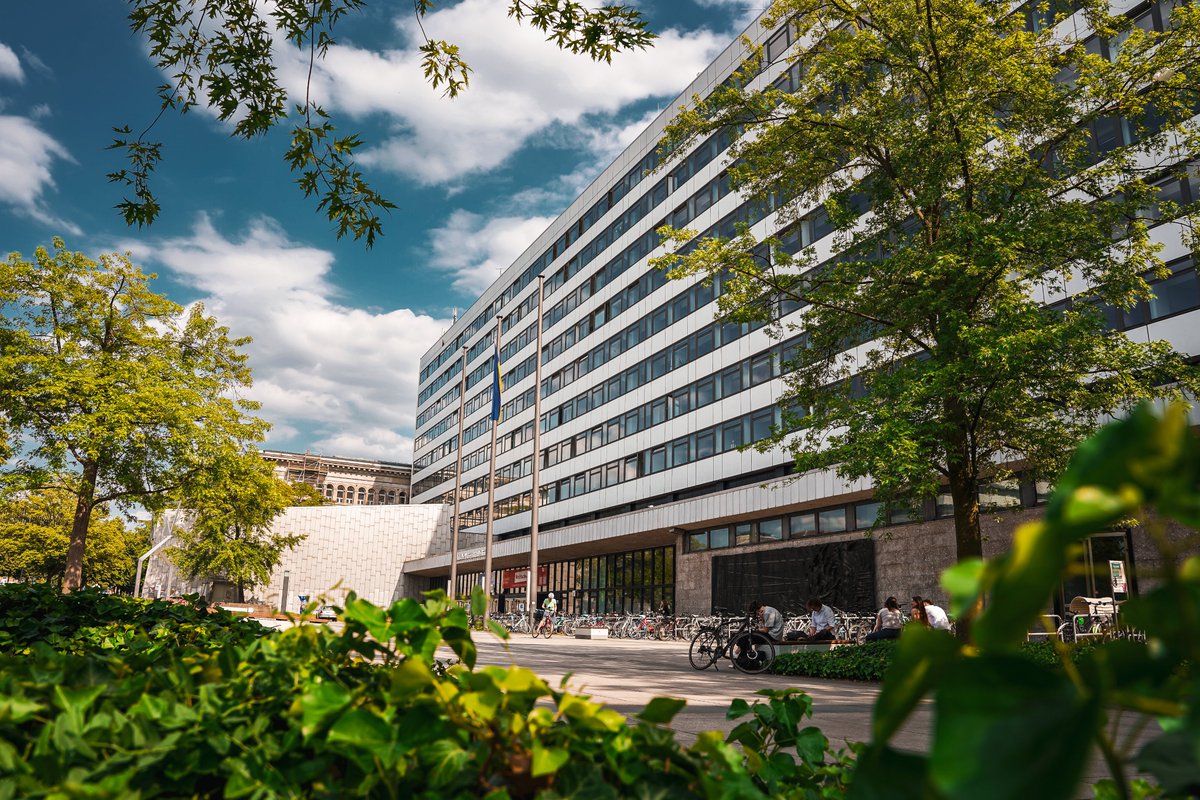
(1106, 556)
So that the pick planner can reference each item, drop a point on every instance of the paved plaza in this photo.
(626, 674)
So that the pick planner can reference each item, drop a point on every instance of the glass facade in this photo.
(630, 582)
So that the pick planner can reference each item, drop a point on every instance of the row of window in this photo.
(427, 437)
(646, 284)
(1174, 295)
(703, 341)
(433, 480)
(364, 496)
(670, 312)
(708, 442)
(697, 446)
(504, 475)
(726, 382)
(861, 516)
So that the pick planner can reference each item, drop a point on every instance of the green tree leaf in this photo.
(994, 712)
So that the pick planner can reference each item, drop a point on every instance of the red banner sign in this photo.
(519, 578)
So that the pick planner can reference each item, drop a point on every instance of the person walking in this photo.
(888, 622)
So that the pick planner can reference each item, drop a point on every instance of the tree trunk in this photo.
(241, 592)
(73, 575)
(964, 491)
(968, 538)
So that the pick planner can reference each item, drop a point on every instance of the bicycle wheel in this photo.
(752, 652)
(705, 649)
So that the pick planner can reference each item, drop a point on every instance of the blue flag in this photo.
(497, 385)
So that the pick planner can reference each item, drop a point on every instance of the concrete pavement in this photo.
(626, 674)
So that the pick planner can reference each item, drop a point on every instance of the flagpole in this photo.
(531, 583)
(458, 459)
(491, 518)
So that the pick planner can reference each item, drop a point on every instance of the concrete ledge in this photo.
(809, 647)
(591, 633)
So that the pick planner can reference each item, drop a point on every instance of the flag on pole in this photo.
(497, 384)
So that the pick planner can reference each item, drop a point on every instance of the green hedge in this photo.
(90, 620)
(864, 662)
(314, 713)
(869, 661)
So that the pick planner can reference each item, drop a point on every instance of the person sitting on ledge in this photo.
(888, 621)
(820, 628)
(936, 616)
(768, 619)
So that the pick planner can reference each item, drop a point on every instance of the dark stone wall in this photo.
(840, 574)
(909, 558)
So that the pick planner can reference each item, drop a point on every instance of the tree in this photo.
(965, 167)
(304, 494)
(35, 533)
(233, 504)
(111, 392)
(222, 53)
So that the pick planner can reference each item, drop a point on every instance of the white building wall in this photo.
(359, 548)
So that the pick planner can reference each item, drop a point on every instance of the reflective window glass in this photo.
(801, 525)
(833, 520)
(865, 515)
(770, 530)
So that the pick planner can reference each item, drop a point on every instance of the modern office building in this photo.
(646, 399)
(346, 481)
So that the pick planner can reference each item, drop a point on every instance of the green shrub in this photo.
(90, 620)
(870, 661)
(865, 662)
(309, 712)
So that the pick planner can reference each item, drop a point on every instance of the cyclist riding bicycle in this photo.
(549, 609)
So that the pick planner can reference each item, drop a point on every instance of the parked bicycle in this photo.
(749, 650)
(1088, 617)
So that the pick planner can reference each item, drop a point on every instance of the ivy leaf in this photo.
(322, 701)
(547, 760)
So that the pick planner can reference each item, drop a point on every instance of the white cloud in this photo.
(745, 11)
(608, 140)
(476, 249)
(521, 85)
(27, 154)
(345, 376)
(10, 65)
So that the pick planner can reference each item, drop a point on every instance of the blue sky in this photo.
(338, 330)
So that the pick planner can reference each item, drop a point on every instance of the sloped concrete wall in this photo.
(360, 548)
